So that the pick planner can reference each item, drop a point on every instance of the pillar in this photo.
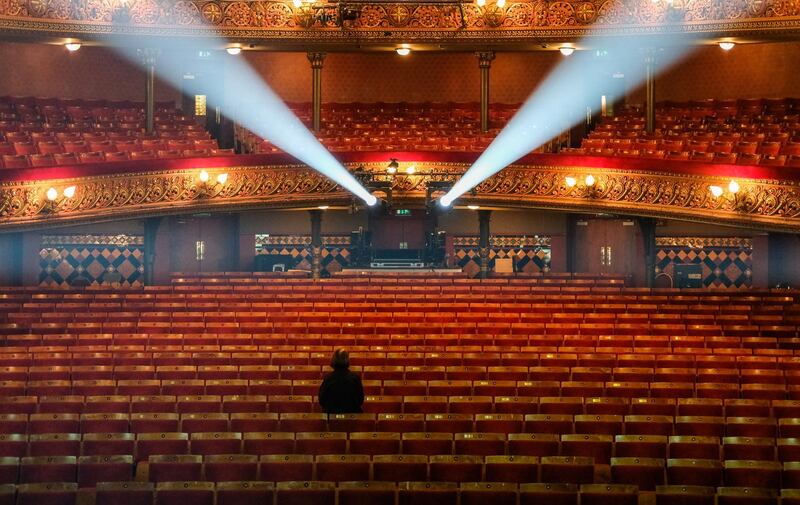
(650, 90)
(648, 229)
(149, 56)
(316, 243)
(484, 216)
(316, 60)
(151, 225)
(485, 62)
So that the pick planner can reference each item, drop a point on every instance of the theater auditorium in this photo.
(557, 241)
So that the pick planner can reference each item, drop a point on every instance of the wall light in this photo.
(473, 207)
(727, 45)
(323, 207)
(72, 46)
(403, 51)
(204, 176)
(571, 181)
(716, 191)
(411, 169)
(233, 51)
(733, 187)
(566, 50)
(52, 194)
(590, 180)
(222, 178)
(392, 166)
(69, 192)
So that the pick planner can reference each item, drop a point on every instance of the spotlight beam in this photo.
(253, 104)
(560, 102)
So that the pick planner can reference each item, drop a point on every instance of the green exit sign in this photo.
(402, 212)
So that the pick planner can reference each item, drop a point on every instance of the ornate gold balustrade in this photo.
(540, 182)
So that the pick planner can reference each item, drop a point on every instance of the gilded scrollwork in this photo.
(521, 20)
(767, 204)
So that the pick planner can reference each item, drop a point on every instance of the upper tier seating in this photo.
(369, 127)
(748, 132)
(43, 132)
(548, 389)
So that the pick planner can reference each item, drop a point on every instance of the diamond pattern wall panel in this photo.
(530, 254)
(727, 261)
(335, 254)
(94, 259)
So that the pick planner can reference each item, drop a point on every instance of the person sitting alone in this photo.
(341, 392)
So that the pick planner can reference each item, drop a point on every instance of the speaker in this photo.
(689, 275)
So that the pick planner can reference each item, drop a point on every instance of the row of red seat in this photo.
(644, 473)
(383, 493)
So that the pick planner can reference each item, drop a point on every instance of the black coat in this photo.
(341, 392)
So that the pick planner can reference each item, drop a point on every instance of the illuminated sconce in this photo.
(733, 193)
(473, 207)
(72, 46)
(323, 207)
(590, 181)
(411, 170)
(726, 45)
(54, 199)
(403, 51)
(233, 51)
(571, 181)
(207, 186)
(566, 50)
(716, 191)
(392, 167)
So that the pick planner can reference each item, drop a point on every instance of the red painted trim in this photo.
(635, 164)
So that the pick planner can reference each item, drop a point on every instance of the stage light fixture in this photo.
(566, 50)
(72, 46)
(403, 51)
(571, 181)
(69, 192)
(252, 104)
(560, 101)
(233, 51)
(733, 187)
(590, 181)
(716, 191)
(726, 45)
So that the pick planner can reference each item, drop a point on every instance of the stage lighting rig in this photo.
(310, 13)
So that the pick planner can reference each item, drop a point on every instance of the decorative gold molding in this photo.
(279, 23)
(702, 242)
(766, 204)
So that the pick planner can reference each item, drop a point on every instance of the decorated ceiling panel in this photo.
(412, 20)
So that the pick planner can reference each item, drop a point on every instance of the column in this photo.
(149, 56)
(316, 243)
(316, 60)
(484, 216)
(648, 228)
(650, 90)
(151, 225)
(485, 62)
